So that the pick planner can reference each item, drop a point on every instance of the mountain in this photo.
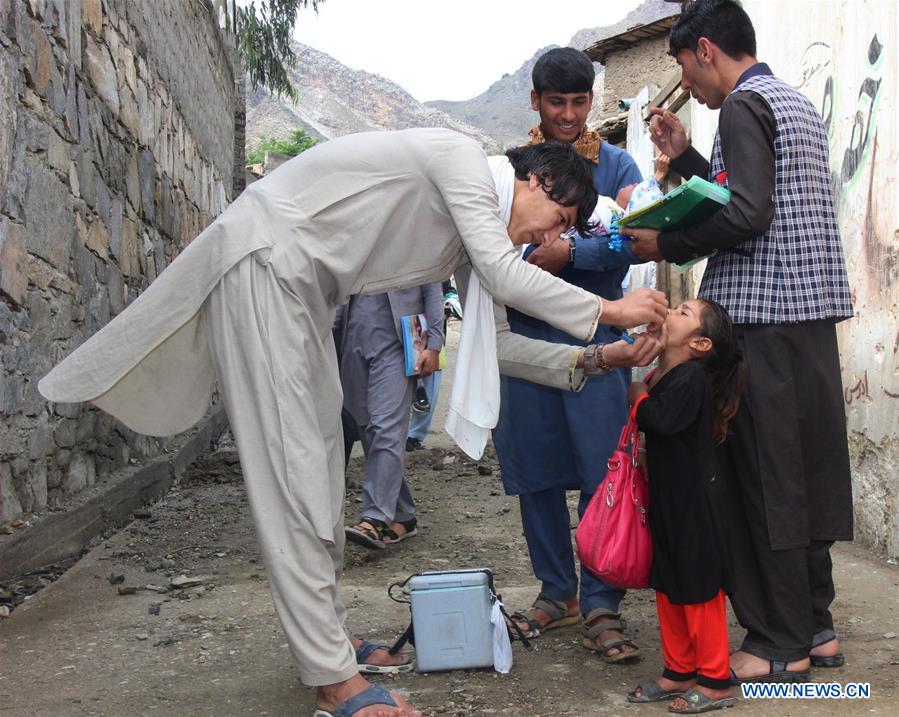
(504, 109)
(336, 100)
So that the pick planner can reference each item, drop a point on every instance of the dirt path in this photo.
(80, 648)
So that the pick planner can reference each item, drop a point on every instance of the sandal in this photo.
(614, 621)
(368, 532)
(557, 611)
(364, 651)
(697, 703)
(374, 695)
(410, 530)
(650, 691)
(823, 638)
(778, 673)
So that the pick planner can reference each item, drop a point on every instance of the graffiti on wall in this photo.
(856, 177)
(858, 391)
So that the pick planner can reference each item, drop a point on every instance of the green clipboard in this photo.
(689, 204)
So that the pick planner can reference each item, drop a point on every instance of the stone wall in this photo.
(117, 141)
(628, 71)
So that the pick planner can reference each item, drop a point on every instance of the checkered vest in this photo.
(795, 271)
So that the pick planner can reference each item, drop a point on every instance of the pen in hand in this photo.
(620, 333)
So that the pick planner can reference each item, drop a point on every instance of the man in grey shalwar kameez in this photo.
(250, 303)
(378, 393)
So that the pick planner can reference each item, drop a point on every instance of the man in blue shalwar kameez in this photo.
(548, 440)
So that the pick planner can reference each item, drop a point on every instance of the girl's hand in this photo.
(634, 391)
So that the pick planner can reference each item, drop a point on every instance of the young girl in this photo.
(684, 413)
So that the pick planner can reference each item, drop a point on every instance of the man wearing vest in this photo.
(777, 265)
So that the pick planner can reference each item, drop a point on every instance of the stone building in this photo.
(117, 147)
(632, 60)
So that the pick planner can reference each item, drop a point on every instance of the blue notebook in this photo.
(415, 340)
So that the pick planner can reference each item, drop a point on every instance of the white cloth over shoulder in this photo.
(474, 403)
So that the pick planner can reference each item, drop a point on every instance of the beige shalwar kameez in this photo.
(250, 302)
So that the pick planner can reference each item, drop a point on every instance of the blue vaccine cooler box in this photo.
(451, 620)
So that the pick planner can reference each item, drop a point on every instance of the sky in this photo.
(447, 49)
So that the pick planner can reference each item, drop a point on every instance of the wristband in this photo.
(594, 360)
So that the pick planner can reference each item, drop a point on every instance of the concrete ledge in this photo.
(59, 536)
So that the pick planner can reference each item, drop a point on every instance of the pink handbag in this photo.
(613, 537)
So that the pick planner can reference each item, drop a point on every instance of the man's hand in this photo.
(635, 390)
(643, 306)
(667, 133)
(662, 166)
(640, 353)
(644, 243)
(552, 258)
(428, 362)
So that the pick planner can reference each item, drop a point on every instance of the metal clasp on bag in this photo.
(642, 515)
(609, 499)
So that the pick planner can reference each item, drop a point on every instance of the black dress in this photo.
(688, 496)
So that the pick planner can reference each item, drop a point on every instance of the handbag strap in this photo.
(631, 433)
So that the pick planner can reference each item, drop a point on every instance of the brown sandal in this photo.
(557, 611)
(368, 533)
(595, 625)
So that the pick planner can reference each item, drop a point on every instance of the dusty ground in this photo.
(78, 647)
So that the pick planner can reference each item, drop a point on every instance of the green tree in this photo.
(263, 39)
(298, 142)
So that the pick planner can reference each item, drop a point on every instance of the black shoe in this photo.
(413, 444)
(421, 404)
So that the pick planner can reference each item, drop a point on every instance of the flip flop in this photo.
(697, 703)
(374, 695)
(364, 651)
(650, 691)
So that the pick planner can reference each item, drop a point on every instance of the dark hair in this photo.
(724, 364)
(724, 22)
(565, 176)
(563, 69)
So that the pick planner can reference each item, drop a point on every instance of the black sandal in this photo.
(369, 533)
(823, 638)
(410, 530)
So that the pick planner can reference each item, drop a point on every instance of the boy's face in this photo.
(535, 218)
(562, 114)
